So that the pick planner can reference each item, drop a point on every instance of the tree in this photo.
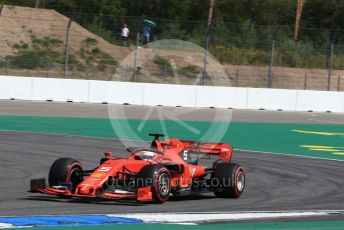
(327, 14)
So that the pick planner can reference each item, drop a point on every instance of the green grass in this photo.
(315, 225)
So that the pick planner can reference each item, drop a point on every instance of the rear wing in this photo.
(222, 149)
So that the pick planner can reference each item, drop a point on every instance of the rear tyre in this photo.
(158, 178)
(228, 180)
(65, 170)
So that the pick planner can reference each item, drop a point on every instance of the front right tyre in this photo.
(158, 178)
(65, 170)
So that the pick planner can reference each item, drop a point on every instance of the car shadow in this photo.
(100, 201)
(80, 200)
(191, 197)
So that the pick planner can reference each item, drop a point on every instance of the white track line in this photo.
(290, 154)
(4, 225)
(330, 122)
(70, 135)
(213, 217)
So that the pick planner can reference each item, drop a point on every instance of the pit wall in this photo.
(91, 91)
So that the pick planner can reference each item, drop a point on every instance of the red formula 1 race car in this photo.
(168, 168)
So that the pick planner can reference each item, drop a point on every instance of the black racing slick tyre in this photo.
(158, 178)
(65, 170)
(228, 180)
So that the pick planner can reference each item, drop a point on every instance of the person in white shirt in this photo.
(125, 34)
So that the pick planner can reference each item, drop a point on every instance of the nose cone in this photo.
(84, 190)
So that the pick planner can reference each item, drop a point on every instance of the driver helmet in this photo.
(147, 155)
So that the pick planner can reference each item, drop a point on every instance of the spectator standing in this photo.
(146, 34)
(125, 34)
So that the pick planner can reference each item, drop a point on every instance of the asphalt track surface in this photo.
(274, 182)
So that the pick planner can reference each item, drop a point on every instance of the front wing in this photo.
(141, 194)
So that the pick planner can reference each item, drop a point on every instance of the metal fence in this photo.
(82, 46)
